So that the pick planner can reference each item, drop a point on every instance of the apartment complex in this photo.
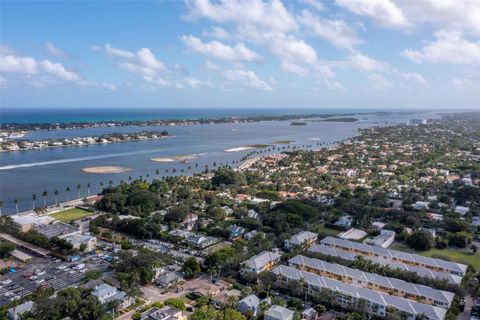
(392, 286)
(422, 272)
(348, 295)
(380, 254)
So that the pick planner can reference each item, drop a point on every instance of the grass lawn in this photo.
(324, 231)
(71, 214)
(451, 254)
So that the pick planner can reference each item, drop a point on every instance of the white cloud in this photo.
(384, 12)
(54, 51)
(452, 15)
(19, 65)
(117, 52)
(413, 77)
(217, 32)
(271, 15)
(448, 47)
(469, 81)
(42, 73)
(59, 71)
(336, 32)
(378, 82)
(246, 79)
(145, 64)
(216, 49)
(316, 4)
(365, 63)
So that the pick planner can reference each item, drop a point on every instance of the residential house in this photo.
(344, 222)
(200, 241)
(235, 231)
(420, 205)
(263, 261)
(16, 313)
(462, 210)
(303, 238)
(277, 312)
(169, 279)
(249, 305)
(106, 293)
(384, 239)
(253, 214)
(165, 313)
(309, 314)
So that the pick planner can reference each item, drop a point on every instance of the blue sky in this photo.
(240, 54)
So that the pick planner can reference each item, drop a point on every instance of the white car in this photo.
(62, 267)
(6, 282)
(40, 281)
(8, 294)
(41, 273)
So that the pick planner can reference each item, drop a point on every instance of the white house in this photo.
(277, 312)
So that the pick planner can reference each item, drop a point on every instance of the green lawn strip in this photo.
(71, 214)
(324, 231)
(451, 254)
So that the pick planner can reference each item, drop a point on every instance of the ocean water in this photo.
(24, 173)
(36, 115)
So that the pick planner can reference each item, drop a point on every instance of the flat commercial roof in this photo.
(20, 255)
(22, 244)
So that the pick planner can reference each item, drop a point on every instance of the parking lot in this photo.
(47, 272)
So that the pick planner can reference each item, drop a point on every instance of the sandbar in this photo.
(105, 169)
(163, 159)
(237, 149)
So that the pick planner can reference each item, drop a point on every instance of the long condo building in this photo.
(392, 286)
(382, 254)
(348, 295)
(347, 255)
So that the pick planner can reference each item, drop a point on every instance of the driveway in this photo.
(465, 315)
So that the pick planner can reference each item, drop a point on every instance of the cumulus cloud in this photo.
(271, 15)
(384, 12)
(378, 82)
(316, 4)
(413, 77)
(337, 32)
(217, 32)
(448, 47)
(218, 50)
(155, 73)
(16, 68)
(366, 63)
(247, 79)
(54, 51)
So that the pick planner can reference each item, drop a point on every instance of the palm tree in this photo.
(79, 186)
(88, 188)
(157, 171)
(68, 192)
(110, 182)
(15, 201)
(44, 195)
(34, 197)
(56, 197)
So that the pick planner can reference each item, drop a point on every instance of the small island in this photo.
(23, 144)
(298, 123)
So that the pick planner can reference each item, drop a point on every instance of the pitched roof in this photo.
(402, 304)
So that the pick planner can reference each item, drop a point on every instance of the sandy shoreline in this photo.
(105, 169)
